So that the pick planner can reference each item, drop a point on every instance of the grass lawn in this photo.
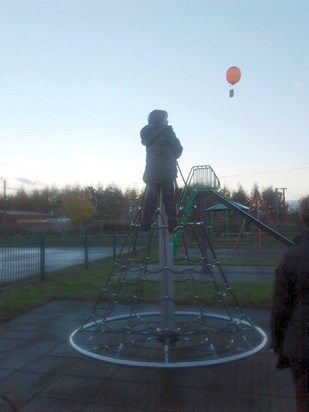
(87, 284)
(241, 261)
(83, 284)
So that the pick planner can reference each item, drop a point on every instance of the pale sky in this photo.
(79, 77)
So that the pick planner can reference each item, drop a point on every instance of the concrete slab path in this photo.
(40, 372)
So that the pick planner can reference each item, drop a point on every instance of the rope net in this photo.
(167, 302)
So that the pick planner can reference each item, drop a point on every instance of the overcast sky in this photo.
(79, 77)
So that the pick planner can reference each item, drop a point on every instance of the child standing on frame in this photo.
(162, 151)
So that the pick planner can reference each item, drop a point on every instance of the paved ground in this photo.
(40, 372)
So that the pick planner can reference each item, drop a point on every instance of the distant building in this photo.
(15, 221)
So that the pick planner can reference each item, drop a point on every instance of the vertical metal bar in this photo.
(86, 249)
(42, 257)
(201, 207)
(114, 247)
(167, 276)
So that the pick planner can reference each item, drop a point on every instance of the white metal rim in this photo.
(182, 364)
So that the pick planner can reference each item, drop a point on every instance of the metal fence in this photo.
(27, 258)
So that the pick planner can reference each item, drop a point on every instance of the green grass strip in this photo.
(87, 285)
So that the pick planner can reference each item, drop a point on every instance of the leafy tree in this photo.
(55, 199)
(78, 208)
(275, 203)
(132, 201)
(21, 200)
(110, 205)
(224, 191)
(270, 198)
(240, 195)
(76, 190)
(255, 191)
(40, 200)
(91, 194)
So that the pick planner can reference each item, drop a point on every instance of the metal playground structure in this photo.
(169, 303)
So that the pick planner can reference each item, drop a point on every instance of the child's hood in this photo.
(150, 132)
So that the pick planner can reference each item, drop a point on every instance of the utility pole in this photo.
(280, 198)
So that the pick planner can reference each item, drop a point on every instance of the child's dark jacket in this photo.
(290, 312)
(162, 150)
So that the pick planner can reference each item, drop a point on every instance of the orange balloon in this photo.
(233, 75)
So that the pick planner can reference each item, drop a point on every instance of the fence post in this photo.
(86, 251)
(114, 247)
(42, 258)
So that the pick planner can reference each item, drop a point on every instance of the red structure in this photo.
(14, 221)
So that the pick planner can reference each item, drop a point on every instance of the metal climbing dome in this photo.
(167, 302)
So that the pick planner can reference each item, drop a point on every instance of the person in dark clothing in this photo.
(162, 151)
(290, 311)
